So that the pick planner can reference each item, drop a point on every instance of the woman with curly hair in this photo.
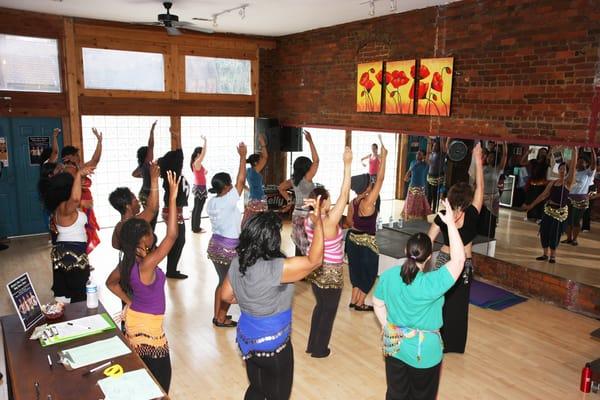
(261, 281)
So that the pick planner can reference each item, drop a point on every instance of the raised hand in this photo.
(173, 181)
(97, 134)
(478, 153)
(308, 136)
(347, 156)
(85, 171)
(262, 140)
(448, 217)
(315, 214)
(154, 170)
(203, 138)
(384, 151)
(242, 150)
(56, 132)
(153, 126)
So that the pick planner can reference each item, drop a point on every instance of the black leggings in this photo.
(175, 253)
(197, 212)
(433, 196)
(161, 369)
(409, 383)
(587, 217)
(271, 378)
(322, 320)
(486, 224)
(550, 232)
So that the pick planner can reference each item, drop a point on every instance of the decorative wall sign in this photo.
(398, 87)
(434, 90)
(37, 145)
(25, 300)
(368, 87)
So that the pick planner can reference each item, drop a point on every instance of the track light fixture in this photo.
(393, 5)
(372, 8)
(241, 12)
(371, 4)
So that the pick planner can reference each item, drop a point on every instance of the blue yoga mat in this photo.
(495, 298)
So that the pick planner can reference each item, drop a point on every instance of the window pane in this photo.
(123, 70)
(217, 75)
(29, 64)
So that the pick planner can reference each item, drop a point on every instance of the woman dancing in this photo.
(142, 287)
(70, 265)
(145, 155)
(361, 247)
(302, 176)
(556, 209)
(416, 205)
(408, 303)
(73, 164)
(579, 199)
(225, 218)
(374, 161)
(199, 188)
(492, 170)
(257, 202)
(537, 169)
(261, 282)
(328, 280)
(436, 174)
(465, 207)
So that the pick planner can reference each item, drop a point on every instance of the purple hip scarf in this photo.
(222, 250)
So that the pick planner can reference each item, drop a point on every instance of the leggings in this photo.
(161, 369)
(550, 232)
(197, 212)
(322, 320)
(175, 253)
(409, 383)
(433, 196)
(271, 378)
(587, 217)
(222, 270)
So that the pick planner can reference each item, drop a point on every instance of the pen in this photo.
(49, 360)
(91, 371)
(81, 326)
(37, 391)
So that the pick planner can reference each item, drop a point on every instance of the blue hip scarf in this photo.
(263, 336)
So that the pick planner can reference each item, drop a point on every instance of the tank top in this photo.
(559, 195)
(374, 165)
(86, 192)
(467, 231)
(302, 191)
(333, 253)
(75, 232)
(200, 176)
(364, 224)
(149, 299)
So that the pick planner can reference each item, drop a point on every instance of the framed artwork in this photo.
(368, 86)
(434, 86)
(399, 86)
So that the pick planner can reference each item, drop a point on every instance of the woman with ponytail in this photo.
(408, 303)
(142, 287)
(199, 188)
(257, 202)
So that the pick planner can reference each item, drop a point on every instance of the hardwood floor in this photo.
(529, 351)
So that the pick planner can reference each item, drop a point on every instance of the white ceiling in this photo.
(263, 17)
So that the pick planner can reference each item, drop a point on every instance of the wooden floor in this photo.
(529, 351)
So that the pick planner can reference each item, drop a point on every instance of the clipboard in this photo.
(92, 353)
(77, 328)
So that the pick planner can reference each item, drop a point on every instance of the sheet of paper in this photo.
(95, 352)
(133, 385)
(77, 328)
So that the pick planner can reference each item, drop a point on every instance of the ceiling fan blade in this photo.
(199, 29)
(146, 23)
(172, 31)
(203, 19)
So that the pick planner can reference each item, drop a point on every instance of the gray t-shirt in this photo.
(302, 191)
(260, 291)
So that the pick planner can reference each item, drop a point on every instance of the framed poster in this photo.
(25, 300)
(434, 90)
(3, 151)
(36, 146)
(398, 93)
(369, 80)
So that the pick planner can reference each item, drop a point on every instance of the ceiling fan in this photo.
(171, 22)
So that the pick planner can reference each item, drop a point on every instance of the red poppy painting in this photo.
(399, 86)
(434, 90)
(368, 87)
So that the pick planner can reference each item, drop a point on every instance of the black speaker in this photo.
(291, 139)
(270, 128)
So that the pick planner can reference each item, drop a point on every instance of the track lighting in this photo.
(214, 21)
(372, 8)
(393, 5)
(243, 12)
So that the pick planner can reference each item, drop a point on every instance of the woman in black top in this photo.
(466, 206)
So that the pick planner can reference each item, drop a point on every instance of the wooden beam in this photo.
(255, 81)
(401, 167)
(71, 87)
(175, 132)
(348, 139)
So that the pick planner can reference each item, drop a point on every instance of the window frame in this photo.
(61, 66)
(103, 44)
(238, 54)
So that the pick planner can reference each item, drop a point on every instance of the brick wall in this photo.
(524, 69)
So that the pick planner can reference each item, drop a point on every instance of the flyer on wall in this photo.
(37, 145)
(25, 300)
(3, 152)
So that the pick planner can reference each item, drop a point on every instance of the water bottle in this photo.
(379, 223)
(400, 223)
(391, 222)
(91, 291)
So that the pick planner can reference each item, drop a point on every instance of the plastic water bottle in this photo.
(91, 291)
(391, 222)
(379, 223)
(400, 223)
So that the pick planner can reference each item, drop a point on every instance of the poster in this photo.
(398, 97)
(37, 145)
(3, 152)
(434, 92)
(25, 300)
(368, 87)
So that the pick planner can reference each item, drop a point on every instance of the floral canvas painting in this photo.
(368, 87)
(399, 86)
(434, 90)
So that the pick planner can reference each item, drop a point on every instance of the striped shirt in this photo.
(333, 252)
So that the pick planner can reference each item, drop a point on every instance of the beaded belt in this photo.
(436, 180)
(416, 190)
(558, 213)
(394, 334)
(580, 203)
(364, 239)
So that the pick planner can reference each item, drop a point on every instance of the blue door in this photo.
(19, 181)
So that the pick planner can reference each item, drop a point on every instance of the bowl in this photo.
(53, 311)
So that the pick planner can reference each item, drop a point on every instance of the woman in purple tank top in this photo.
(141, 286)
(361, 247)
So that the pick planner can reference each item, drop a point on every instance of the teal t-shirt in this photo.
(416, 306)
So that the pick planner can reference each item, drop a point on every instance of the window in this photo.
(217, 75)
(29, 64)
(330, 144)
(123, 70)
(361, 146)
(122, 136)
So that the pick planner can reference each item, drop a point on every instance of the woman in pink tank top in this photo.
(327, 280)
(199, 188)
(374, 161)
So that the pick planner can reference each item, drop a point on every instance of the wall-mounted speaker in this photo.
(291, 139)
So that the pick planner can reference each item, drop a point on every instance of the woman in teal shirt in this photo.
(408, 303)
